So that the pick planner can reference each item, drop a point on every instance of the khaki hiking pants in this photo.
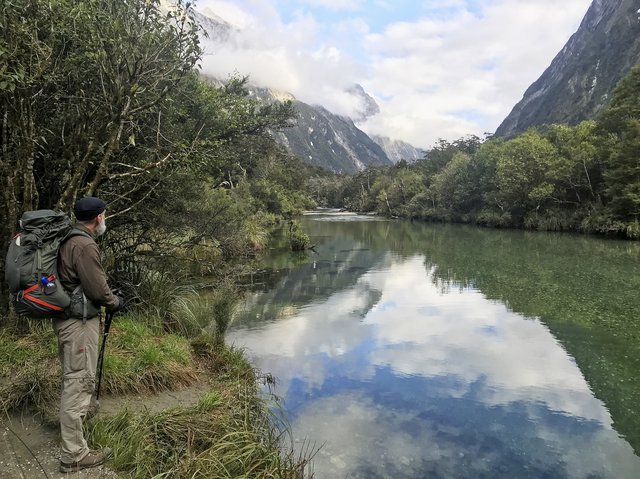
(78, 351)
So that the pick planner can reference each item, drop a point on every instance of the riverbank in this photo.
(172, 405)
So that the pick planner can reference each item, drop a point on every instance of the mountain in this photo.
(318, 136)
(331, 141)
(398, 150)
(324, 139)
(580, 79)
(367, 105)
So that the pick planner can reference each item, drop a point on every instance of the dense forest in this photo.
(572, 178)
(105, 98)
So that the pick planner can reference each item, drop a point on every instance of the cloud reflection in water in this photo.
(399, 378)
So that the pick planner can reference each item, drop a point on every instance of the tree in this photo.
(620, 126)
(579, 167)
(525, 173)
(443, 152)
(77, 79)
(455, 188)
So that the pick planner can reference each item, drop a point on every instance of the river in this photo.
(413, 350)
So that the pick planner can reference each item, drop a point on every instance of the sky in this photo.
(436, 68)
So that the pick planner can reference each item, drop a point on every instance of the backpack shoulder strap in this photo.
(75, 232)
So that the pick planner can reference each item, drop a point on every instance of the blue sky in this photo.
(377, 14)
(437, 68)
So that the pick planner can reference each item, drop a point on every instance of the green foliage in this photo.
(523, 176)
(358, 192)
(111, 105)
(453, 187)
(620, 125)
(581, 178)
(227, 434)
(443, 152)
(298, 239)
(633, 230)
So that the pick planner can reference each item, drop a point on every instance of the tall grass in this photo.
(206, 312)
(220, 437)
(165, 304)
(231, 432)
(298, 239)
(157, 293)
(30, 370)
(136, 361)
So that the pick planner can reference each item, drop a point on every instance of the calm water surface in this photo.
(430, 351)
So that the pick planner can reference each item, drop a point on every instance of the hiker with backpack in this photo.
(53, 270)
(80, 272)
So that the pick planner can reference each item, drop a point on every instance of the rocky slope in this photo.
(367, 104)
(333, 142)
(579, 81)
(398, 150)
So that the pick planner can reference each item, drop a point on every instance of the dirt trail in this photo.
(30, 450)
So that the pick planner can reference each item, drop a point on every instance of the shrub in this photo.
(298, 239)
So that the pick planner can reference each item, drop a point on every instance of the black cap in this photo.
(88, 208)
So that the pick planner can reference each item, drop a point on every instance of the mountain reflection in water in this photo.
(399, 373)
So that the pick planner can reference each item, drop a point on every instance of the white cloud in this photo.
(289, 57)
(229, 12)
(435, 76)
(463, 74)
(281, 346)
(360, 435)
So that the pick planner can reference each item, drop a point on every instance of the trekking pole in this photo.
(107, 326)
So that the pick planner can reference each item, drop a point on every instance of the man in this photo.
(82, 275)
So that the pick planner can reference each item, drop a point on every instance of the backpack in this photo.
(31, 267)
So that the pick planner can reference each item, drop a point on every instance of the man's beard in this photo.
(102, 227)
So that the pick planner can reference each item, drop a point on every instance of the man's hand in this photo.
(120, 297)
(120, 304)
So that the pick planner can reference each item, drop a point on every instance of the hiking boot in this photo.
(93, 459)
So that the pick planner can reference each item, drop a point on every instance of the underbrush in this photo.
(167, 305)
(171, 341)
(230, 432)
(30, 370)
(136, 361)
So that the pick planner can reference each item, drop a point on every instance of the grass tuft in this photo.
(207, 313)
(136, 361)
(29, 370)
(229, 433)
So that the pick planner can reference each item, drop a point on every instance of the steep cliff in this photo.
(579, 81)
